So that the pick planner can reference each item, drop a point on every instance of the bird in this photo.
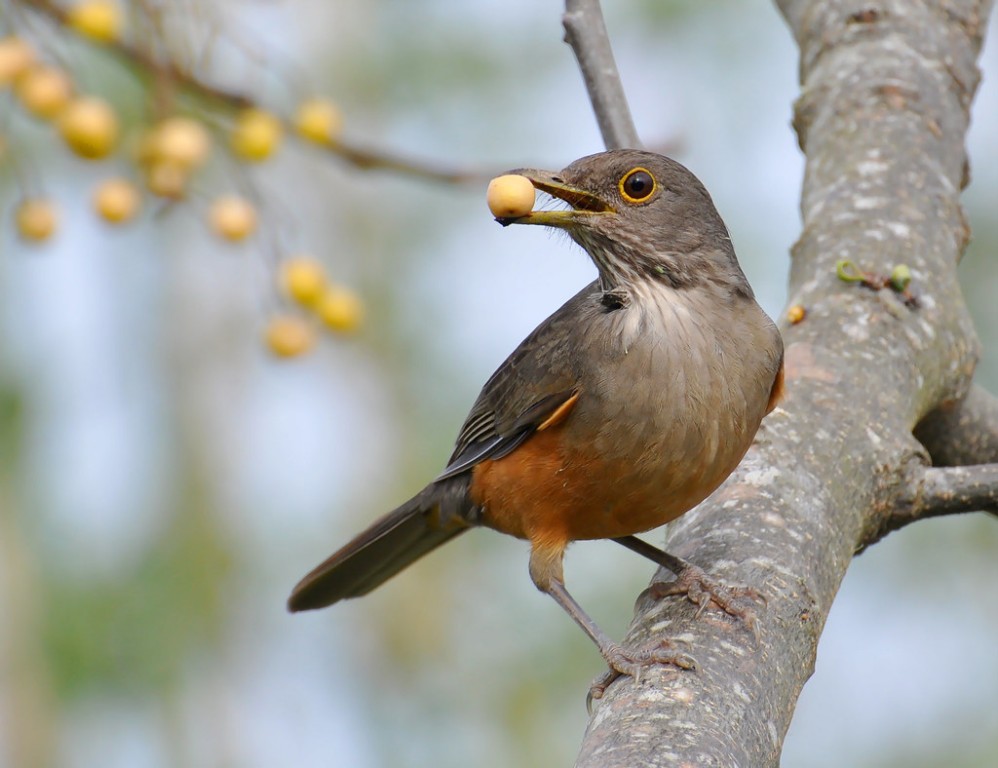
(619, 413)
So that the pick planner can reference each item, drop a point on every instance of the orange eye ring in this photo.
(637, 185)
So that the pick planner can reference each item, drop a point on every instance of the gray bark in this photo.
(886, 91)
(963, 432)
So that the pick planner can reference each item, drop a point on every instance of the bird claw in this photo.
(633, 663)
(702, 590)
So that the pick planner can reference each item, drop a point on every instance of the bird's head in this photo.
(639, 216)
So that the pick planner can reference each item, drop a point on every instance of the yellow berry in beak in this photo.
(510, 196)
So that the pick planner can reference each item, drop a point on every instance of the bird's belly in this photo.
(555, 487)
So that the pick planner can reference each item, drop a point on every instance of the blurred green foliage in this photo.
(139, 630)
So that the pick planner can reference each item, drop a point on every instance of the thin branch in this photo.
(938, 492)
(962, 433)
(585, 32)
(377, 159)
(171, 71)
(952, 490)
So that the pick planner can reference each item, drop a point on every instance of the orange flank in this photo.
(776, 393)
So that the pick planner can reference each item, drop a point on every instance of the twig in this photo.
(585, 32)
(370, 159)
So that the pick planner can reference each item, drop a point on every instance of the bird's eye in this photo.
(637, 185)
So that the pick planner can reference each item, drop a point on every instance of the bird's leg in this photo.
(692, 581)
(620, 660)
(546, 571)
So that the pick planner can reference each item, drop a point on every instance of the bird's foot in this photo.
(702, 589)
(633, 663)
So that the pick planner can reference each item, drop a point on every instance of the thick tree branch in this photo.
(585, 32)
(884, 108)
(963, 432)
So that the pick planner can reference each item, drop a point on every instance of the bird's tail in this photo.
(390, 544)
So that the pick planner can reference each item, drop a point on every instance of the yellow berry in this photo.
(318, 120)
(510, 196)
(16, 55)
(99, 19)
(166, 179)
(255, 135)
(44, 91)
(36, 219)
(796, 313)
(117, 200)
(304, 279)
(340, 309)
(90, 127)
(232, 218)
(288, 336)
(180, 140)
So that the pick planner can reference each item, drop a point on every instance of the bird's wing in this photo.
(535, 388)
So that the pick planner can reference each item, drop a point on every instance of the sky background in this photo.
(165, 482)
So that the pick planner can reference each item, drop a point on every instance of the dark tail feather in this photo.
(392, 543)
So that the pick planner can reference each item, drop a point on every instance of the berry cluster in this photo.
(163, 157)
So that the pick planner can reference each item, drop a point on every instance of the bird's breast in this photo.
(671, 392)
(670, 405)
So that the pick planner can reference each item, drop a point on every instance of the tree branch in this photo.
(934, 492)
(884, 108)
(954, 490)
(963, 432)
(585, 32)
(169, 70)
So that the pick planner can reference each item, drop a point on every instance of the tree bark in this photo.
(964, 432)
(886, 91)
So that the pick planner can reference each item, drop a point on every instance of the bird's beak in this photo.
(584, 204)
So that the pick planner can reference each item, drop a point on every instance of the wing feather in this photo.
(535, 387)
